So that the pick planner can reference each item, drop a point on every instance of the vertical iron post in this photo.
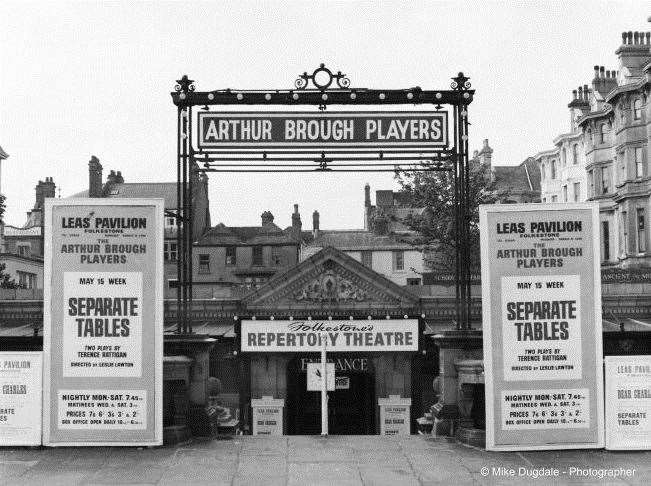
(179, 221)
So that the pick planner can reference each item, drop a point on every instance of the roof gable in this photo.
(331, 281)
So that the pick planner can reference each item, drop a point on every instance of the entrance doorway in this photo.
(351, 407)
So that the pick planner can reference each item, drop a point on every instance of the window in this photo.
(413, 281)
(231, 255)
(173, 283)
(605, 180)
(204, 263)
(639, 162)
(26, 280)
(605, 241)
(554, 198)
(637, 109)
(564, 158)
(170, 252)
(590, 183)
(641, 234)
(624, 227)
(553, 169)
(564, 193)
(575, 154)
(23, 249)
(257, 256)
(602, 133)
(367, 258)
(398, 260)
(622, 167)
(543, 172)
(275, 256)
(577, 191)
(170, 221)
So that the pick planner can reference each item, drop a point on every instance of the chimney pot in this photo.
(636, 38)
(573, 94)
(648, 37)
(630, 37)
(623, 37)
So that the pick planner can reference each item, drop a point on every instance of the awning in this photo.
(21, 330)
(626, 324)
(215, 329)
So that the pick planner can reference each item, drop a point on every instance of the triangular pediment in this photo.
(330, 279)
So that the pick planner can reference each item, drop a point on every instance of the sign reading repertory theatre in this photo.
(103, 322)
(541, 301)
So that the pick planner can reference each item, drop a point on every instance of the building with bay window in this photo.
(609, 140)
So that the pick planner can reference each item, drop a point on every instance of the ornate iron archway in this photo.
(322, 88)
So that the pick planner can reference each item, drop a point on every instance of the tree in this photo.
(6, 282)
(436, 224)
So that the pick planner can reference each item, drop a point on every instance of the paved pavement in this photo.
(312, 460)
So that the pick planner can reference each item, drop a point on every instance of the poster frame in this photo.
(39, 398)
(158, 205)
(598, 393)
(611, 408)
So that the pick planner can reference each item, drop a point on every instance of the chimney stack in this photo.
(297, 226)
(44, 189)
(367, 195)
(94, 177)
(315, 224)
(267, 218)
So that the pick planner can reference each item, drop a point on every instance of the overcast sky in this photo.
(89, 78)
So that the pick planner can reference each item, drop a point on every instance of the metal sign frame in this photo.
(327, 89)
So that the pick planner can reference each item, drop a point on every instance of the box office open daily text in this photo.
(541, 304)
(103, 321)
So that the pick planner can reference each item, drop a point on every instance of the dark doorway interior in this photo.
(351, 411)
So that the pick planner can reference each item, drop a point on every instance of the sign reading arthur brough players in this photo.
(541, 300)
(323, 130)
(103, 324)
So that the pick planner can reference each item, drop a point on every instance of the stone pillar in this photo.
(454, 345)
(197, 347)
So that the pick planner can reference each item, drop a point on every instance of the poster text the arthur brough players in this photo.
(103, 322)
(541, 301)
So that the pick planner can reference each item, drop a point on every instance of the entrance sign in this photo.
(267, 415)
(339, 335)
(628, 402)
(349, 130)
(20, 398)
(394, 415)
(314, 377)
(541, 301)
(103, 322)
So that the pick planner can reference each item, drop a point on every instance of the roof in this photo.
(347, 240)
(518, 178)
(145, 190)
(267, 234)
(3, 154)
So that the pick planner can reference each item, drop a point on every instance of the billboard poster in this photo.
(628, 402)
(20, 398)
(541, 304)
(103, 322)
(337, 335)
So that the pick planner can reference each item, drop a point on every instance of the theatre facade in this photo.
(372, 330)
